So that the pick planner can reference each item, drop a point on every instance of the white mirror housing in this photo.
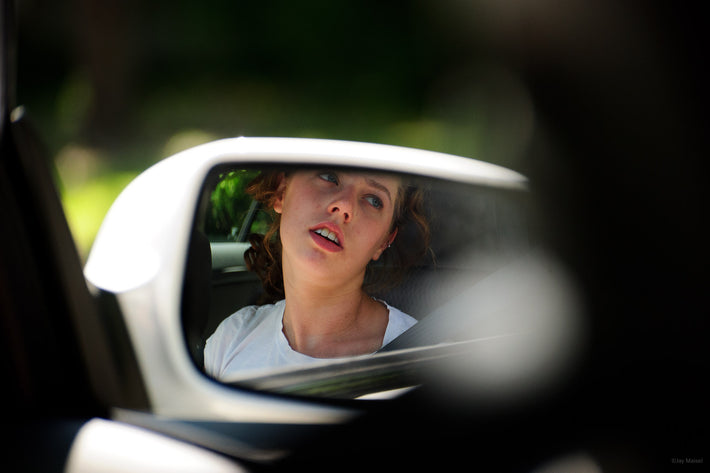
(140, 250)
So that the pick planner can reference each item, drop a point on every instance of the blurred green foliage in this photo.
(86, 205)
(229, 206)
(135, 82)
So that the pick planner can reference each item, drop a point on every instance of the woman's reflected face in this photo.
(334, 223)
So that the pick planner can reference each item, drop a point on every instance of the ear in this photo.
(279, 194)
(386, 245)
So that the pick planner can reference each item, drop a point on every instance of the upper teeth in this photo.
(328, 234)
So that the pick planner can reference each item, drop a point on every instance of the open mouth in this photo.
(328, 235)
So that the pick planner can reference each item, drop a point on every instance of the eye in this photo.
(375, 201)
(329, 177)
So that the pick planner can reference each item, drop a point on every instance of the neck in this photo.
(326, 325)
(331, 317)
(315, 314)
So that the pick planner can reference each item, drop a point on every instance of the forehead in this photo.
(388, 181)
(391, 182)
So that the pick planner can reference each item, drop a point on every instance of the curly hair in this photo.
(409, 247)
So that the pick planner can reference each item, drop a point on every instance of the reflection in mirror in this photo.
(345, 282)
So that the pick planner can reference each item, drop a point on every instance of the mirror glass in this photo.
(353, 283)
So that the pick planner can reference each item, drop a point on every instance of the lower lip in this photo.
(325, 244)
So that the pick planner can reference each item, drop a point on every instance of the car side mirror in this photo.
(170, 251)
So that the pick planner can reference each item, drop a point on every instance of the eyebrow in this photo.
(379, 186)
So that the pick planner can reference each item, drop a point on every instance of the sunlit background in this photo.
(115, 86)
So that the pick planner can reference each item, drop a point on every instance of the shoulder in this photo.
(399, 318)
(234, 330)
(245, 318)
(399, 322)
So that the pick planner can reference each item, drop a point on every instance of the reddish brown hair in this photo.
(409, 247)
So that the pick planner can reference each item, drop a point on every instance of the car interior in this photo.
(474, 231)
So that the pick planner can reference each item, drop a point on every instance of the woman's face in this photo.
(334, 223)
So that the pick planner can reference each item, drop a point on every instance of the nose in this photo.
(343, 205)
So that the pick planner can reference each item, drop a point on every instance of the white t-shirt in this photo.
(252, 338)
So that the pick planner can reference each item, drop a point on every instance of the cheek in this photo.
(375, 237)
(297, 214)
